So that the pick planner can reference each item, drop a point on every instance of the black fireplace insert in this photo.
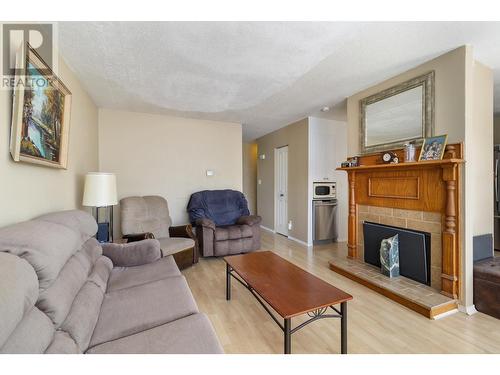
(414, 249)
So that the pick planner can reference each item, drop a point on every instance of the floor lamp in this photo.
(100, 193)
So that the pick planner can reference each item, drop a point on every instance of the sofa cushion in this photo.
(63, 343)
(126, 277)
(190, 335)
(131, 310)
(77, 220)
(174, 245)
(56, 300)
(48, 242)
(233, 232)
(18, 292)
(86, 307)
(145, 214)
(132, 254)
(231, 247)
(31, 336)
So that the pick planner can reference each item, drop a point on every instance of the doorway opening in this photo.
(281, 190)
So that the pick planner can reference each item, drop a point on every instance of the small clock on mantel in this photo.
(390, 157)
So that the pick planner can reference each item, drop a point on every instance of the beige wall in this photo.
(295, 136)
(28, 190)
(463, 110)
(250, 175)
(449, 97)
(168, 156)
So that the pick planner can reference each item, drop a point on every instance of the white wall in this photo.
(478, 148)
(168, 156)
(29, 190)
(327, 149)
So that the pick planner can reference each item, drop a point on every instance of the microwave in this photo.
(324, 190)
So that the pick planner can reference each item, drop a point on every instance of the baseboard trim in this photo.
(445, 314)
(469, 310)
(268, 229)
(299, 241)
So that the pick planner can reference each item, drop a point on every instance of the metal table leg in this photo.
(228, 282)
(288, 335)
(343, 328)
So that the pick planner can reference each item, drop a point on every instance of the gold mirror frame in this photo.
(427, 83)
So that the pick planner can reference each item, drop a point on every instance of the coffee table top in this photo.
(288, 289)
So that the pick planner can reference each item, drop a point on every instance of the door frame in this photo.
(275, 190)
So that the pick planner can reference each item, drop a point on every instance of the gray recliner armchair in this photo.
(223, 223)
(149, 217)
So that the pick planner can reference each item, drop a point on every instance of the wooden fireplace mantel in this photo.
(432, 186)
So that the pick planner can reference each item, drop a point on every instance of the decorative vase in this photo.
(389, 256)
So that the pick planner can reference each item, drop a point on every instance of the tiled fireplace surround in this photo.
(418, 220)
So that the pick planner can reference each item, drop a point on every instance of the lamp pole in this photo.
(100, 192)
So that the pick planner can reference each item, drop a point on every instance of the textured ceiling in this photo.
(263, 75)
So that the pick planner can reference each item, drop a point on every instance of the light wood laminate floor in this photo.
(375, 323)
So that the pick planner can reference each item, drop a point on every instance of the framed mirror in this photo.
(399, 114)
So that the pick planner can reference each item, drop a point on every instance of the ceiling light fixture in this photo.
(325, 109)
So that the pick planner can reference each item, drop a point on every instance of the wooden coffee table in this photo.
(288, 290)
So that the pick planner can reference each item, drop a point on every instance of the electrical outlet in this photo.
(290, 226)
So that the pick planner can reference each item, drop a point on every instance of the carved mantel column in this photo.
(450, 251)
(352, 250)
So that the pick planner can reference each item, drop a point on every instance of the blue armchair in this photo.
(223, 223)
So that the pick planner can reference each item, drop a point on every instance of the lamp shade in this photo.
(100, 190)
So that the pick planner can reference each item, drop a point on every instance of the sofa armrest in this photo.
(138, 236)
(132, 254)
(206, 223)
(185, 231)
(249, 220)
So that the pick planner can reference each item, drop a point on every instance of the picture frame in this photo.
(433, 148)
(41, 110)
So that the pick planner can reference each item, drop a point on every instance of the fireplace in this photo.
(414, 249)
(421, 196)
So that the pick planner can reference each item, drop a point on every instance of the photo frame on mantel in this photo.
(397, 115)
(40, 113)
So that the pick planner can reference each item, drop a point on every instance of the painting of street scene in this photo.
(42, 118)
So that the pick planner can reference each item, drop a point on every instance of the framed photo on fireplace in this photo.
(433, 148)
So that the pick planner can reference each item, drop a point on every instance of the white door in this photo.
(281, 190)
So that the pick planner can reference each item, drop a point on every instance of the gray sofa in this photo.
(61, 292)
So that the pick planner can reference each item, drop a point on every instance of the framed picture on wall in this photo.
(433, 148)
(40, 113)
